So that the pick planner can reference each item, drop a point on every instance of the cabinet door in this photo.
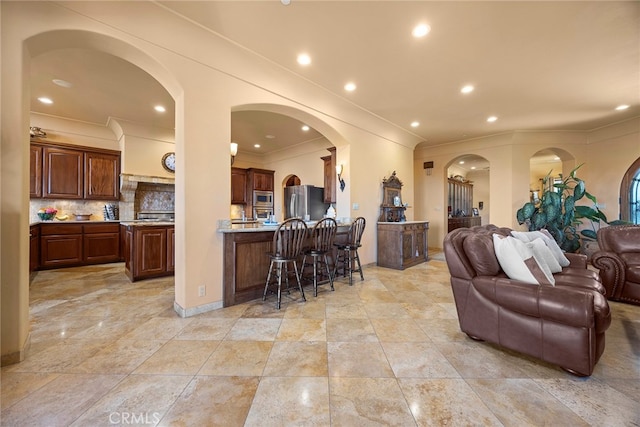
(263, 181)
(101, 176)
(34, 247)
(407, 246)
(150, 252)
(238, 186)
(60, 250)
(171, 249)
(101, 243)
(63, 173)
(420, 242)
(35, 171)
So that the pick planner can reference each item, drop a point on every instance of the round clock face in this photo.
(169, 162)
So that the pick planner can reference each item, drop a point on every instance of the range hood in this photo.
(128, 185)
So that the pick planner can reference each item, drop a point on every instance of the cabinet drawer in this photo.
(51, 229)
(112, 227)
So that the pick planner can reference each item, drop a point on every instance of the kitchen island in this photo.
(148, 248)
(246, 262)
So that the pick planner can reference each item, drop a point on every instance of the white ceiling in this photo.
(535, 65)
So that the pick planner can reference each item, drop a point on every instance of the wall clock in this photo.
(169, 162)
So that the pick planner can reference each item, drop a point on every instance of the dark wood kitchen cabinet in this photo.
(74, 244)
(101, 243)
(402, 244)
(60, 245)
(330, 176)
(63, 173)
(35, 166)
(260, 179)
(147, 251)
(59, 171)
(101, 176)
(34, 247)
(238, 186)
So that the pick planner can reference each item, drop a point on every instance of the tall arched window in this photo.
(630, 194)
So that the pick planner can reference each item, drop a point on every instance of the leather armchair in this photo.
(618, 260)
(563, 324)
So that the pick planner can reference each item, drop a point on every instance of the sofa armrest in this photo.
(612, 271)
(568, 306)
(576, 260)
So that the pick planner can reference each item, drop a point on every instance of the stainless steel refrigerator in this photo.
(301, 200)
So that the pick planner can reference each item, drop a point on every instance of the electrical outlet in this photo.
(356, 206)
(202, 291)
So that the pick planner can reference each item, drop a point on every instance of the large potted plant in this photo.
(558, 213)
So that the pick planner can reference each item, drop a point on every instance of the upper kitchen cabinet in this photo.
(329, 176)
(101, 176)
(74, 172)
(35, 166)
(238, 186)
(62, 173)
(260, 179)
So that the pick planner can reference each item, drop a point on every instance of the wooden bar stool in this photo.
(321, 243)
(348, 252)
(285, 249)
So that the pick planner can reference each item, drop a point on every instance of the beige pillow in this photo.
(542, 253)
(519, 262)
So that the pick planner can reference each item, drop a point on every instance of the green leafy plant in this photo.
(558, 213)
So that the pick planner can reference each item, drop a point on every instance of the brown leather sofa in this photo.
(618, 260)
(563, 324)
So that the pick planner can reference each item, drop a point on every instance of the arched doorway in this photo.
(630, 194)
(468, 202)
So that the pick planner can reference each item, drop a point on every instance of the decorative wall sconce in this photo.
(234, 151)
(428, 166)
(339, 169)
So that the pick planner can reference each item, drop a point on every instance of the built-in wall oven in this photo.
(262, 213)
(263, 199)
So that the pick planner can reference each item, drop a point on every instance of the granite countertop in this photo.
(145, 223)
(226, 227)
(73, 221)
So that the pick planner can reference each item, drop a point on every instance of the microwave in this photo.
(263, 199)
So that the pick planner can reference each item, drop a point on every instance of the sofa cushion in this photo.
(519, 261)
(481, 255)
(633, 274)
(528, 236)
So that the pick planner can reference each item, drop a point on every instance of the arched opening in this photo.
(551, 162)
(630, 194)
(468, 201)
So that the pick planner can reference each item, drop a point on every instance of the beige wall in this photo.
(606, 153)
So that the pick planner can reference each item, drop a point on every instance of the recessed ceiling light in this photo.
(461, 162)
(304, 59)
(492, 119)
(473, 167)
(159, 108)
(622, 107)
(269, 136)
(350, 87)
(415, 124)
(285, 2)
(45, 100)
(256, 145)
(467, 89)
(62, 83)
(421, 30)
(556, 158)
(305, 128)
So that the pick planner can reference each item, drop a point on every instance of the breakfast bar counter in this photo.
(246, 260)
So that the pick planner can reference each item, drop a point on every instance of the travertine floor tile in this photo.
(178, 357)
(244, 358)
(301, 359)
(16, 385)
(357, 359)
(121, 357)
(418, 360)
(346, 330)
(302, 330)
(254, 329)
(206, 329)
(290, 401)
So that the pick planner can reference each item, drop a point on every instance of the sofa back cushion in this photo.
(481, 254)
(620, 239)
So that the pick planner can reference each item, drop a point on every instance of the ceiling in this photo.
(534, 65)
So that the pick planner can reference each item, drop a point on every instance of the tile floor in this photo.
(386, 351)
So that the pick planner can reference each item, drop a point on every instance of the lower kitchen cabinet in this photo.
(34, 247)
(60, 245)
(73, 244)
(402, 244)
(149, 251)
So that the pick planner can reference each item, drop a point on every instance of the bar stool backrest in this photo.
(289, 238)
(355, 232)
(323, 234)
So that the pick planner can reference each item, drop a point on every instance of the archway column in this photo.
(203, 134)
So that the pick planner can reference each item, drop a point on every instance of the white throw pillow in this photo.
(519, 262)
(542, 252)
(529, 236)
